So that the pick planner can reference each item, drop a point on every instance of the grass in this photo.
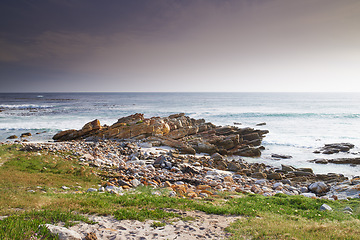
(278, 217)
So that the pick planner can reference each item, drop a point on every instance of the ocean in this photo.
(299, 123)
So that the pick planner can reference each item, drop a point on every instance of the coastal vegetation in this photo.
(51, 187)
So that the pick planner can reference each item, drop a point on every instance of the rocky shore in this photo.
(130, 164)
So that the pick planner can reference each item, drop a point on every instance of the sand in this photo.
(205, 226)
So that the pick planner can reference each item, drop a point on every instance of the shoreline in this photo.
(161, 167)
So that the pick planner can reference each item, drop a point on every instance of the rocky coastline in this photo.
(132, 153)
(190, 159)
(130, 164)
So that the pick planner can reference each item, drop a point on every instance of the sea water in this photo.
(298, 123)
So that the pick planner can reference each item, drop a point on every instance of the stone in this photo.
(349, 209)
(65, 188)
(309, 195)
(320, 161)
(274, 176)
(319, 187)
(261, 124)
(281, 156)
(12, 137)
(91, 236)
(278, 184)
(335, 148)
(91, 190)
(325, 207)
(287, 168)
(172, 194)
(203, 195)
(63, 233)
(28, 134)
(259, 175)
(234, 166)
(135, 182)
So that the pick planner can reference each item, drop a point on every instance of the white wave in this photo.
(24, 106)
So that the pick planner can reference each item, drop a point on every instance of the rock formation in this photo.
(335, 148)
(181, 132)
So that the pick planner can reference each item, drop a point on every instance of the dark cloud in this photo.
(143, 45)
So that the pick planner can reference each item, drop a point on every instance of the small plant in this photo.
(158, 224)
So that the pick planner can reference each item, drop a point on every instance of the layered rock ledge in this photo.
(178, 131)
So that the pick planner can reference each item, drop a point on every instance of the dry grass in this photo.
(273, 226)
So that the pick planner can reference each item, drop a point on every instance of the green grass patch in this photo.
(26, 225)
(158, 224)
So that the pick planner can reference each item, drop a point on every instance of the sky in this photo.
(179, 45)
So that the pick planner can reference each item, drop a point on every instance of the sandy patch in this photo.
(205, 226)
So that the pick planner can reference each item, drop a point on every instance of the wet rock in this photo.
(320, 161)
(28, 134)
(12, 137)
(280, 156)
(353, 161)
(261, 124)
(335, 148)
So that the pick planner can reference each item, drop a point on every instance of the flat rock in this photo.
(325, 207)
(281, 156)
(63, 233)
(335, 148)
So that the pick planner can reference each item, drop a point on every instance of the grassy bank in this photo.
(31, 194)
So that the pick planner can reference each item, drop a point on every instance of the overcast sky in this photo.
(179, 45)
